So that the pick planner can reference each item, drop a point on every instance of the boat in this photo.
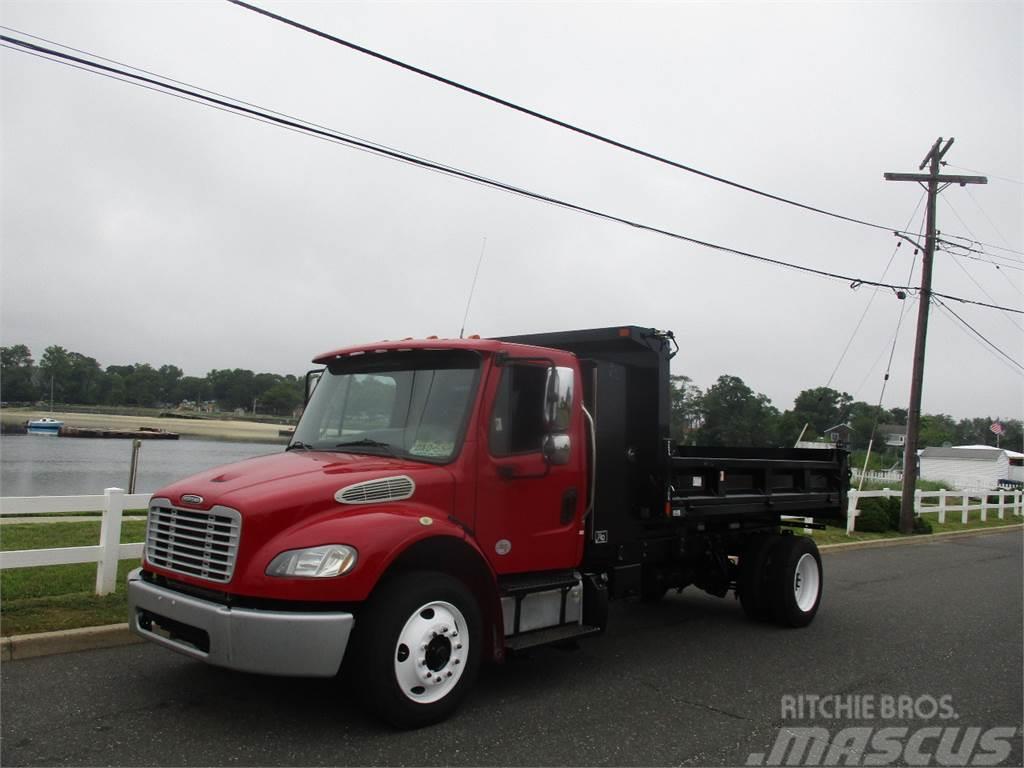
(44, 426)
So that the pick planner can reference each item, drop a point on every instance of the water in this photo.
(44, 465)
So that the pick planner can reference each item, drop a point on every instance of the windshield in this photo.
(412, 404)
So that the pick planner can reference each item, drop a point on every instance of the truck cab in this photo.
(443, 502)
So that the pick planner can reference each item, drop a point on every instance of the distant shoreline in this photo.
(210, 429)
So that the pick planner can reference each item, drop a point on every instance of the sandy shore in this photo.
(247, 431)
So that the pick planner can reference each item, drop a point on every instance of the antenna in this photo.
(472, 288)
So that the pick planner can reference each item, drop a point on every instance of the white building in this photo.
(971, 467)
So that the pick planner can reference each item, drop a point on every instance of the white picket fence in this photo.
(943, 502)
(878, 475)
(106, 554)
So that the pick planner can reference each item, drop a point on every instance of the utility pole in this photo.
(932, 179)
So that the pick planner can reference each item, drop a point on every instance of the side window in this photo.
(517, 421)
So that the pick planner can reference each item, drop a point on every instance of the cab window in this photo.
(517, 421)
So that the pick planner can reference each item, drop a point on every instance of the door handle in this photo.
(569, 505)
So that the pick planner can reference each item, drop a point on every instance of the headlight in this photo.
(315, 563)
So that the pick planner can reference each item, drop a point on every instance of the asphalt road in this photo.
(685, 682)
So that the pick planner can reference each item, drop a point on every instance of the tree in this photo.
(194, 389)
(112, 388)
(142, 385)
(936, 430)
(282, 398)
(170, 378)
(84, 380)
(736, 415)
(819, 408)
(55, 367)
(233, 389)
(862, 419)
(16, 371)
(685, 415)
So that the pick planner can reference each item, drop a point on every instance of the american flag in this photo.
(997, 428)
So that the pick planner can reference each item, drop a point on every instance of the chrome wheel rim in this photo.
(431, 652)
(806, 582)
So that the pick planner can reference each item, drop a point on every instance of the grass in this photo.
(55, 597)
(895, 485)
(839, 536)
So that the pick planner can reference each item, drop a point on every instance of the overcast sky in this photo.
(142, 228)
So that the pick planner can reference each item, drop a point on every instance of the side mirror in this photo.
(312, 378)
(556, 449)
(558, 394)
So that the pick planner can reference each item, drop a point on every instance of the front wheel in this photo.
(795, 579)
(418, 647)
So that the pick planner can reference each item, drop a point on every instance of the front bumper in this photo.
(300, 644)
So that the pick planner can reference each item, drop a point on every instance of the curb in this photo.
(66, 641)
(116, 635)
(918, 539)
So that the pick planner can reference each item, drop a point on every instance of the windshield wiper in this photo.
(298, 445)
(367, 442)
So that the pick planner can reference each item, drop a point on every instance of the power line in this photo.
(263, 115)
(982, 289)
(905, 307)
(985, 214)
(968, 249)
(975, 241)
(198, 88)
(547, 118)
(978, 334)
(990, 175)
(871, 299)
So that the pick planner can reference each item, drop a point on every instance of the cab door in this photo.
(530, 505)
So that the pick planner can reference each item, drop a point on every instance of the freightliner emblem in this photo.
(191, 498)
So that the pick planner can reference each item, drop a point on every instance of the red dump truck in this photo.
(446, 501)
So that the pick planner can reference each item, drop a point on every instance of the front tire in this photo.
(418, 648)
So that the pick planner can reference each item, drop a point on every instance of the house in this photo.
(833, 437)
(894, 435)
(1016, 461)
(965, 468)
(839, 435)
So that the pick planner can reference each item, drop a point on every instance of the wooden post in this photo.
(110, 541)
(967, 503)
(1002, 504)
(851, 511)
(942, 505)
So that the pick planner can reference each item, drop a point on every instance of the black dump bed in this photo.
(712, 482)
(647, 487)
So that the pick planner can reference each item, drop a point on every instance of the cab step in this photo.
(522, 584)
(550, 635)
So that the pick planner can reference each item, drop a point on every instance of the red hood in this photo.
(294, 479)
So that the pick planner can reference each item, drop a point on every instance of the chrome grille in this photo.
(375, 491)
(193, 542)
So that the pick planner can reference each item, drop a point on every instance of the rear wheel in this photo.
(795, 579)
(418, 644)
